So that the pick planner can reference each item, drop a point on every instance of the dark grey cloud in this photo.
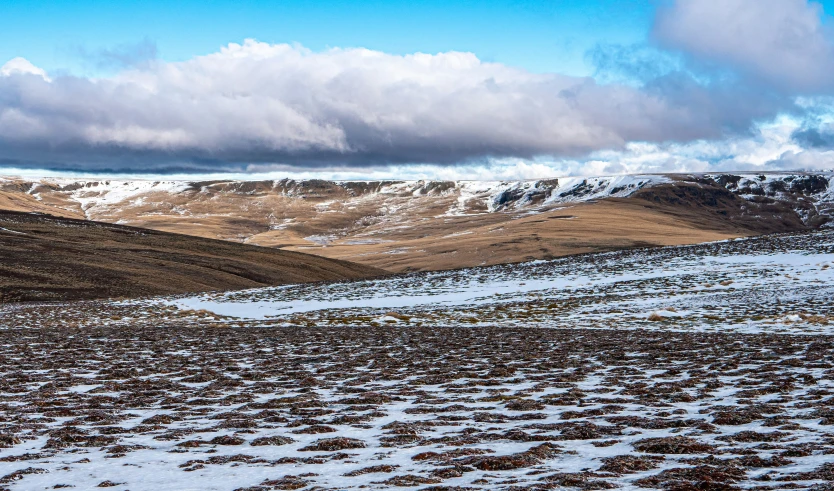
(822, 138)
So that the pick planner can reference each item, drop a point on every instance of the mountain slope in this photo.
(424, 225)
(51, 258)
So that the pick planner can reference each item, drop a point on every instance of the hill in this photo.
(44, 257)
(432, 225)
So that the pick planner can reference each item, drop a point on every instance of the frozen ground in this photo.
(708, 367)
(769, 284)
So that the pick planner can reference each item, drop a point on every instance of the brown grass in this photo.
(50, 258)
(419, 235)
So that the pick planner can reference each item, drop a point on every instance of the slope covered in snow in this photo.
(747, 285)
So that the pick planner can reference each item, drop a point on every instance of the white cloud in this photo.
(258, 103)
(783, 43)
(21, 66)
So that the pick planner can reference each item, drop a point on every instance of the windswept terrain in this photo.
(701, 367)
(704, 367)
(46, 258)
(532, 245)
(433, 225)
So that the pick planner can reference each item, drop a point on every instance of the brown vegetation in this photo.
(46, 258)
(412, 231)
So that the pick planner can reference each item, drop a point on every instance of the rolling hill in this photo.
(432, 225)
(45, 258)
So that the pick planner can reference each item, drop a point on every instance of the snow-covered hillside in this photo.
(98, 196)
(767, 284)
(104, 198)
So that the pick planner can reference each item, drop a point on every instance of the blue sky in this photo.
(428, 89)
(542, 36)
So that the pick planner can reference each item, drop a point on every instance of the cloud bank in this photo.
(256, 105)
(780, 43)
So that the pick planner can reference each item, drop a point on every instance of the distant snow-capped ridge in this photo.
(499, 194)
(809, 193)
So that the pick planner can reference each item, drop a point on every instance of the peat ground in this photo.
(698, 368)
(169, 407)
